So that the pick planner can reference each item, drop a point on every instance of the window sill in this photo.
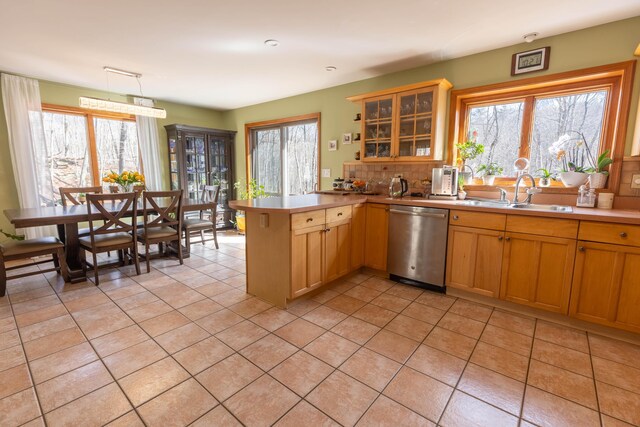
(509, 186)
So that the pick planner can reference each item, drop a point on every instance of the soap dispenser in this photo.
(586, 198)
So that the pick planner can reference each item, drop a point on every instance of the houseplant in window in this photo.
(574, 155)
(249, 191)
(489, 172)
(545, 177)
(598, 175)
(468, 150)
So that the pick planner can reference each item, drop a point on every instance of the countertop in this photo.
(309, 202)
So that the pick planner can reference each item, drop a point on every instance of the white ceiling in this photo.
(211, 52)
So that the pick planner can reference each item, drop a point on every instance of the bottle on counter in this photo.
(586, 198)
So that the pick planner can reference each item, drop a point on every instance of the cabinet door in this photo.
(377, 128)
(474, 260)
(606, 285)
(358, 219)
(415, 113)
(337, 250)
(307, 260)
(537, 271)
(376, 233)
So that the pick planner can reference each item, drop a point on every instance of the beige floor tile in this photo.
(200, 309)
(130, 419)
(250, 307)
(63, 361)
(41, 315)
(19, 408)
(464, 410)
(355, 330)
(53, 343)
(101, 320)
(222, 385)
(436, 300)
(345, 304)
(617, 374)
(30, 294)
(179, 406)
(177, 295)
(72, 385)
(143, 312)
(48, 327)
(409, 327)
(374, 314)
(38, 422)
(273, 399)
(500, 360)
(451, 342)
(562, 335)
(424, 313)
(378, 283)
(325, 296)
(134, 358)
(332, 348)
(273, 319)
(492, 387)
(391, 302)
(386, 412)
(300, 332)
(437, 364)
(213, 288)
(267, 352)
(514, 322)
(342, 398)
(241, 335)
(562, 357)
(137, 300)
(392, 345)
(462, 325)
(325, 317)
(608, 421)
(302, 306)
(619, 403)
(563, 383)
(546, 409)
(403, 291)
(616, 350)
(119, 340)
(9, 339)
(96, 408)
(508, 340)
(35, 304)
(230, 297)
(219, 321)
(14, 380)
(362, 293)
(371, 368)
(305, 414)
(472, 310)
(202, 355)
(181, 337)
(217, 417)
(89, 301)
(420, 393)
(152, 380)
(301, 372)
(164, 323)
(124, 291)
(11, 357)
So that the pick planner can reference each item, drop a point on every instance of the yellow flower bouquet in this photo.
(125, 180)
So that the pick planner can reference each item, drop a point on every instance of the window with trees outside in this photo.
(282, 155)
(524, 118)
(85, 145)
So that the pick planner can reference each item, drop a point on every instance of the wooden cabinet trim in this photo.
(485, 220)
(606, 232)
(550, 227)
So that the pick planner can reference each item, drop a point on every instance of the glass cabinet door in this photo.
(219, 162)
(174, 167)
(195, 164)
(415, 125)
(377, 131)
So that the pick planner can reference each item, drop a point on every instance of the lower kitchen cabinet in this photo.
(337, 250)
(606, 285)
(358, 224)
(376, 236)
(307, 259)
(474, 260)
(537, 271)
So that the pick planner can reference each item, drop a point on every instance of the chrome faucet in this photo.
(503, 195)
(530, 191)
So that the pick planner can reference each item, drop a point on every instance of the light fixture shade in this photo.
(122, 107)
(637, 52)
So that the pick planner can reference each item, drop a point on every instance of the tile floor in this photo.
(184, 345)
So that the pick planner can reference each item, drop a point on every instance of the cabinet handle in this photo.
(581, 248)
(508, 239)
(623, 234)
(327, 230)
(500, 238)
(455, 217)
(339, 213)
(309, 219)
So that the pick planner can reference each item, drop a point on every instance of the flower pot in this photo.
(488, 179)
(544, 182)
(241, 223)
(462, 194)
(573, 179)
(597, 180)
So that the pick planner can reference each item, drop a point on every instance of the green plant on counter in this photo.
(469, 150)
(602, 162)
(491, 169)
(251, 190)
(544, 173)
(11, 236)
(460, 183)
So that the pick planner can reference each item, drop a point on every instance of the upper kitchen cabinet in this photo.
(202, 156)
(404, 123)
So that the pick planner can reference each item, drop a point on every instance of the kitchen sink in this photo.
(484, 203)
(529, 207)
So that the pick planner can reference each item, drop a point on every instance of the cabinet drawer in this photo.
(338, 214)
(307, 219)
(490, 221)
(620, 234)
(551, 227)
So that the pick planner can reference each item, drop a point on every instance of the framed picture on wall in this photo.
(346, 138)
(333, 145)
(529, 61)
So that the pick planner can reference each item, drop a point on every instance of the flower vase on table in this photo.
(125, 181)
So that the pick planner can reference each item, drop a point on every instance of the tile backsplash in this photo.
(379, 174)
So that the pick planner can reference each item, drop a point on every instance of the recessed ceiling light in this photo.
(272, 42)
(330, 68)
(530, 37)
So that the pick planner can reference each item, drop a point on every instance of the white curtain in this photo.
(149, 147)
(29, 151)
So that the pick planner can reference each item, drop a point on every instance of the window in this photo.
(524, 118)
(84, 145)
(283, 154)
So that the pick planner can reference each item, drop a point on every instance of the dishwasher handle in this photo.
(425, 214)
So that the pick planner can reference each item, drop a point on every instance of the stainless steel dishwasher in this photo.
(417, 245)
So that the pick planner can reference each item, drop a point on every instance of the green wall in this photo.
(604, 44)
(61, 94)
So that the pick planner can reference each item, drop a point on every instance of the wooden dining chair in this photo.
(25, 249)
(207, 218)
(70, 195)
(162, 214)
(108, 231)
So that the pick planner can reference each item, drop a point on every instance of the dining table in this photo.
(67, 219)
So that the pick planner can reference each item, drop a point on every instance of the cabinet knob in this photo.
(581, 248)
(327, 230)
(339, 213)
(309, 219)
(507, 239)
(500, 238)
(623, 234)
(455, 217)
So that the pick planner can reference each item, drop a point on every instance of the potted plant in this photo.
(468, 150)
(461, 193)
(598, 175)
(125, 180)
(545, 177)
(574, 154)
(489, 171)
(251, 190)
